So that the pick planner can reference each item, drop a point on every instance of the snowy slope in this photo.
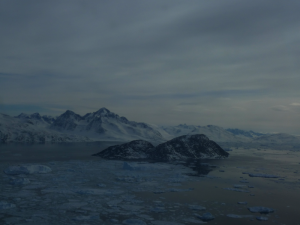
(101, 125)
(280, 138)
(243, 133)
(215, 133)
(104, 125)
(31, 131)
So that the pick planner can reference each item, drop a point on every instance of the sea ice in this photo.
(262, 175)
(87, 218)
(260, 209)
(191, 220)
(239, 216)
(239, 186)
(262, 218)
(162, 222)
(206, 217)
(180, 190)
(133, 222)
(196, 207)
(158, 209)
(27, 169)
(244, 181)
(242, 203)
(19, 181)
(6, 205)
(236, 189)
(234, 216)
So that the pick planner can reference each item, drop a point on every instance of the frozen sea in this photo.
(81, 189)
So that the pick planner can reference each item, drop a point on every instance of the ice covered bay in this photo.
(97, 191)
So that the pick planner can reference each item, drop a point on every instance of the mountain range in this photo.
(104, 125)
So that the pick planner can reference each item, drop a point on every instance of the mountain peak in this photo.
(36, 116)
(22, 116)
(102, 111)
(70, 114)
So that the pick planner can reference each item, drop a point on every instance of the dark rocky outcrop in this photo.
(196, 146)
(137, 149)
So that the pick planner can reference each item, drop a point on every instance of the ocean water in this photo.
(82, 189)
(34, 153)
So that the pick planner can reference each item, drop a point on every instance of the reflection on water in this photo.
(200, 166)
(30, 153)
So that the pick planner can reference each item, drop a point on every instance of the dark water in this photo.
(281, 194)
(30, 153)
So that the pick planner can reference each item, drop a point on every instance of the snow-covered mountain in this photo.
(32, 130)
(36, 118)
(215, 133)
(71, 127)
(104, 125)
(243, 133)
(280, 138)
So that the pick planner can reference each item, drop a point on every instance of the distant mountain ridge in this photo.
(239, 132)
(71, 127)
(104, 125)
(215, 133)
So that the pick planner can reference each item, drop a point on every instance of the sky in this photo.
(234, 64)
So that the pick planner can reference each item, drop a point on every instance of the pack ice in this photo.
(27, 169)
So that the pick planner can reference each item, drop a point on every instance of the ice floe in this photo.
(260, 209)
(205, 216)
(242, 203)
(133, 222)
(102, 192)
(262, 218)
(162, 222)
(236, 189)
(263, 175)
(6, 205)
(27, 169)
(197, 207)
(19, 181)
(239, 216)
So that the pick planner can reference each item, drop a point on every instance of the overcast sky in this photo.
(229, 63)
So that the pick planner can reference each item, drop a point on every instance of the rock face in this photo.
(138, 149)
(196, 146)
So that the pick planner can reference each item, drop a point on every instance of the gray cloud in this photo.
(230, 63)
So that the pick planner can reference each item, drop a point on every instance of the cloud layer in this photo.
(230, 63)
